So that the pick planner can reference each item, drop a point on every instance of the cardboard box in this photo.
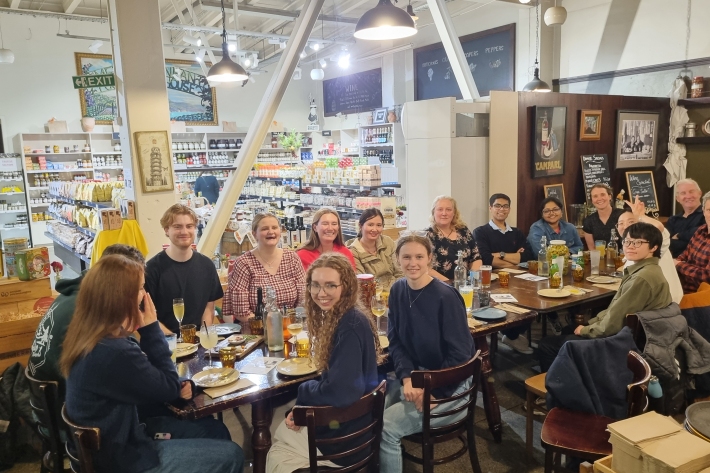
(128, 209)
(105, 219)
(32, 263)
(652, 443)
(603, 465)
(14, 290)
(116, 219)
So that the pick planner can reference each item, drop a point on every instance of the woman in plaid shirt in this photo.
(267, 265)
(693, 264)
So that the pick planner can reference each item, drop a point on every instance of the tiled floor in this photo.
(510, 371)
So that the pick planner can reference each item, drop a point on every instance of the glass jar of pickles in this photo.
(578, 273)
(558, 248)
(555, 280)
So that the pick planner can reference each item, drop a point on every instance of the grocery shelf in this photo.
(43, 171)
(57, 241)
(356, 187)
(57, 154)
(24, 211)
(205, 168)
(12, 193)
(85, 203)
(85, 231)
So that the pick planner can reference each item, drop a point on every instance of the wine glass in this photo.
(294, 329)
(208, 340)
(378, 307)
(179, 311)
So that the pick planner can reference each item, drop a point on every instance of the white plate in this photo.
(602, 279)
(185, 349)
(226, 376)
(553, 293)
(296, 367)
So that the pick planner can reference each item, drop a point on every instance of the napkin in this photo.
(512, 308)
(473, 323)
(500, 298)
(241, 383)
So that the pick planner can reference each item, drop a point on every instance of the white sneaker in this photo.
(520, 344)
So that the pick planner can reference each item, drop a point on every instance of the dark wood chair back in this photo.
(636, 394)
(313, 417)
(87, 441)
(44, 401)
(430, 380)
(632, 321)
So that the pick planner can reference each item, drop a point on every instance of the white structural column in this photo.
(454, 51)
(260, 125)
(142, 102)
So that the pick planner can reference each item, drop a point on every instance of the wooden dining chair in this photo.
(44, 401)
(87, 441)
(585, 436)
(461, 429)
(313, 417)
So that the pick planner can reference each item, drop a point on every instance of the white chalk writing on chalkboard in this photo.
(641, 184)
(595, 170)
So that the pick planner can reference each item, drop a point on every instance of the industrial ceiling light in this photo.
(524, 1)
(226, 70)
(410, 10)
(537, 85)
(303, 54)
(385, 21)
(232, 47)
(315, 46)
(555, 16)
(6, 55)
(323, 63)
(344, 60)
(317, 74)
(191, 40)
(94, 48)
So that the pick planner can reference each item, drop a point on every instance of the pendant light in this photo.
(537, 85)
(410, 10)
(6, 55)
(383, 22)
(226, 70)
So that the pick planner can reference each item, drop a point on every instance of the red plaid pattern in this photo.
(694, 266)
(289, 283)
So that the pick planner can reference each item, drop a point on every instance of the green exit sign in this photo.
(92, 81)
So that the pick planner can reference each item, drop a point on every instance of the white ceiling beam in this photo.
(14, 4)
(69, 5)
(277, 13)
(454, 51)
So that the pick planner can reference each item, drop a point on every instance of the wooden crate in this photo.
(16, 340)
(603, 465)
(14, 290)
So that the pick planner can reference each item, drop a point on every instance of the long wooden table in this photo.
(526, 294)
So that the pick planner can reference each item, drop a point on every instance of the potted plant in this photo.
(88, 124)
(291, 141)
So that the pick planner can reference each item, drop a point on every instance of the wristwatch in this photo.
(501, 255)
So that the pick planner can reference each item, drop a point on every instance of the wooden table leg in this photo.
(261, 436)
(490, 401)
(544, 326)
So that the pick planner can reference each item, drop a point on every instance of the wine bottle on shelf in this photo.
(301, 230)
(295, 236)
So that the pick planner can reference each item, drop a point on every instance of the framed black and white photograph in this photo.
(379, 116)
(548, 141)
(636, 139)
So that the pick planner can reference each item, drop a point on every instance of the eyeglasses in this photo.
(328, 288)
(634, 243)
(551, 211)
(421, 233)
(499, 206)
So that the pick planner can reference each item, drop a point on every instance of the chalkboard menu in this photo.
(355, 93)
(595, 170)
(641, 184)
(490, 55)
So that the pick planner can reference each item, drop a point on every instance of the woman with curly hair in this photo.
(428, 330)
(449, 235)
(346, 347)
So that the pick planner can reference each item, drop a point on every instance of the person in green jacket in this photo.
(643, 287)
(373, 251)
(47, 345)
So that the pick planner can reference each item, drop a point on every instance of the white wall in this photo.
(38, 85)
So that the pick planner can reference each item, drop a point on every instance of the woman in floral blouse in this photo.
(449, 235)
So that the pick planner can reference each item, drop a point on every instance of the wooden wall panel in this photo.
(530, 191)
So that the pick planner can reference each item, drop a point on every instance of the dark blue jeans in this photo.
(515, 332)
(205, 428)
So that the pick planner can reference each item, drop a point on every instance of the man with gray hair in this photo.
(683, 225)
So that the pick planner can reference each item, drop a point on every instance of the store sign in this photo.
(93, 81)
(327, 133)
(354, 93)
(313, 128)
(8, 164)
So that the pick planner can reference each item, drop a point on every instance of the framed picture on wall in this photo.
(379, 116)
(558, 192)
(190, 97)
(154, 160)
(636, 139)
(98, 102)
(548, 141)
(590, 125)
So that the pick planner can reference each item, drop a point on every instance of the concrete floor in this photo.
(510, 371)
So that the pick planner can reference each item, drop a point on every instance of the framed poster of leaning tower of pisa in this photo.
(154, 160)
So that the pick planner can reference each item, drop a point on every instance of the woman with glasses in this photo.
(326, 237)
(428, 330)
(552, 226)
(110, 376)
(373, 251)
(345, 347)
(598, 225)
(449, 235)
(267, 265)
(693, 264)
(643, 287)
